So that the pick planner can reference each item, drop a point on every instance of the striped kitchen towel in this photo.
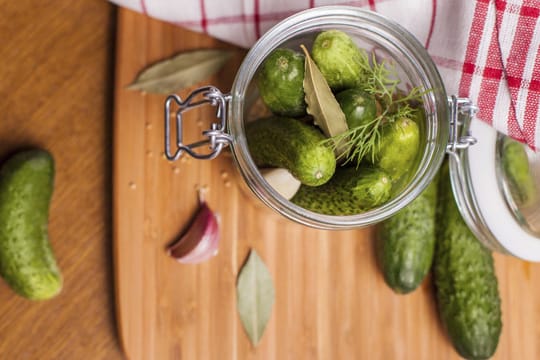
(486, 50)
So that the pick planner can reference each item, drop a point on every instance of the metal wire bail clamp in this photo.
(217, 138)
(464, 107)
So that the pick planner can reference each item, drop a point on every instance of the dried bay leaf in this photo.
(323, 106)
(321, 103)
(255, 296)
(180, 71)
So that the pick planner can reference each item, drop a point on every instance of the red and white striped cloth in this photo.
(487, 50)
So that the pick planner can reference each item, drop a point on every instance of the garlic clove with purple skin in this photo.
(200, 241)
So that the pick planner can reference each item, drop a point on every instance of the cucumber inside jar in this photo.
(280, 83)
(384, 115)
(359, 107)
(519, 179)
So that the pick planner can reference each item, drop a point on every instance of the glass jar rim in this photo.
(379, 26)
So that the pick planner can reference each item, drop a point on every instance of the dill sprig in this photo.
(380, 79)
(357, 142)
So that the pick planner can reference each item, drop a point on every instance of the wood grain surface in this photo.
(331, 301)
(56, 92)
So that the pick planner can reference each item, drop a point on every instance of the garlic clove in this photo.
(282, 181)
(200, 241)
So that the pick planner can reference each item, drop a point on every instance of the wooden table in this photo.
(56, 77)
(331, 300)
(56, 89)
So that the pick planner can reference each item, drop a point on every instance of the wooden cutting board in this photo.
(331, 301)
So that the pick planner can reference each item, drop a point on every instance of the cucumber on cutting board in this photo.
(407, 241)
(27, 262)
(466, 284)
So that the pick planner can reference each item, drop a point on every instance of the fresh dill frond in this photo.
(357, 142)
(382, 81)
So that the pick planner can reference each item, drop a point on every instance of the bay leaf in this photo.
(321, 103)
(182, 70)
(255, 296)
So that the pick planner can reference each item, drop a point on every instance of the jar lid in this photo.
(497, 192)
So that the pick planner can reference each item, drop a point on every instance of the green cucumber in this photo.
(289, 143)
(407, 242)
(350, 191)
(466, 284)
(398, 147)
(338, 58)
(359, 107)
(280, 81)
(27, 261)
(517, 172)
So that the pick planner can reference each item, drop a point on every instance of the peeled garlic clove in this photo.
(282, 181)
(200, 241)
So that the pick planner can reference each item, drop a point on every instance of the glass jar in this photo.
(477, 177)
(370, 31)
(504, 218)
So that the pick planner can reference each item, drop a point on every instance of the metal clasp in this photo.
(217, 137)
(465, 108)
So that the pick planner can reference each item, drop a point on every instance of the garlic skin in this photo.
(282, 181)
(200, 241)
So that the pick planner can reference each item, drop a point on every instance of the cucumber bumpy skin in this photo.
(406, 242)
(359, 107)
(338, 58)
(27, 262)
(399, 145)
(465, 281)
(289, 143)
(351, 191)
(280, 81)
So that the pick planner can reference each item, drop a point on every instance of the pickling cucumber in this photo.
(399, 145)
(280, 82)
(350, 191)
(466, 284)
(517, 172)
(359, 107)
(407, 241)
(289, 143)
(27, 262)
(338, 58)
